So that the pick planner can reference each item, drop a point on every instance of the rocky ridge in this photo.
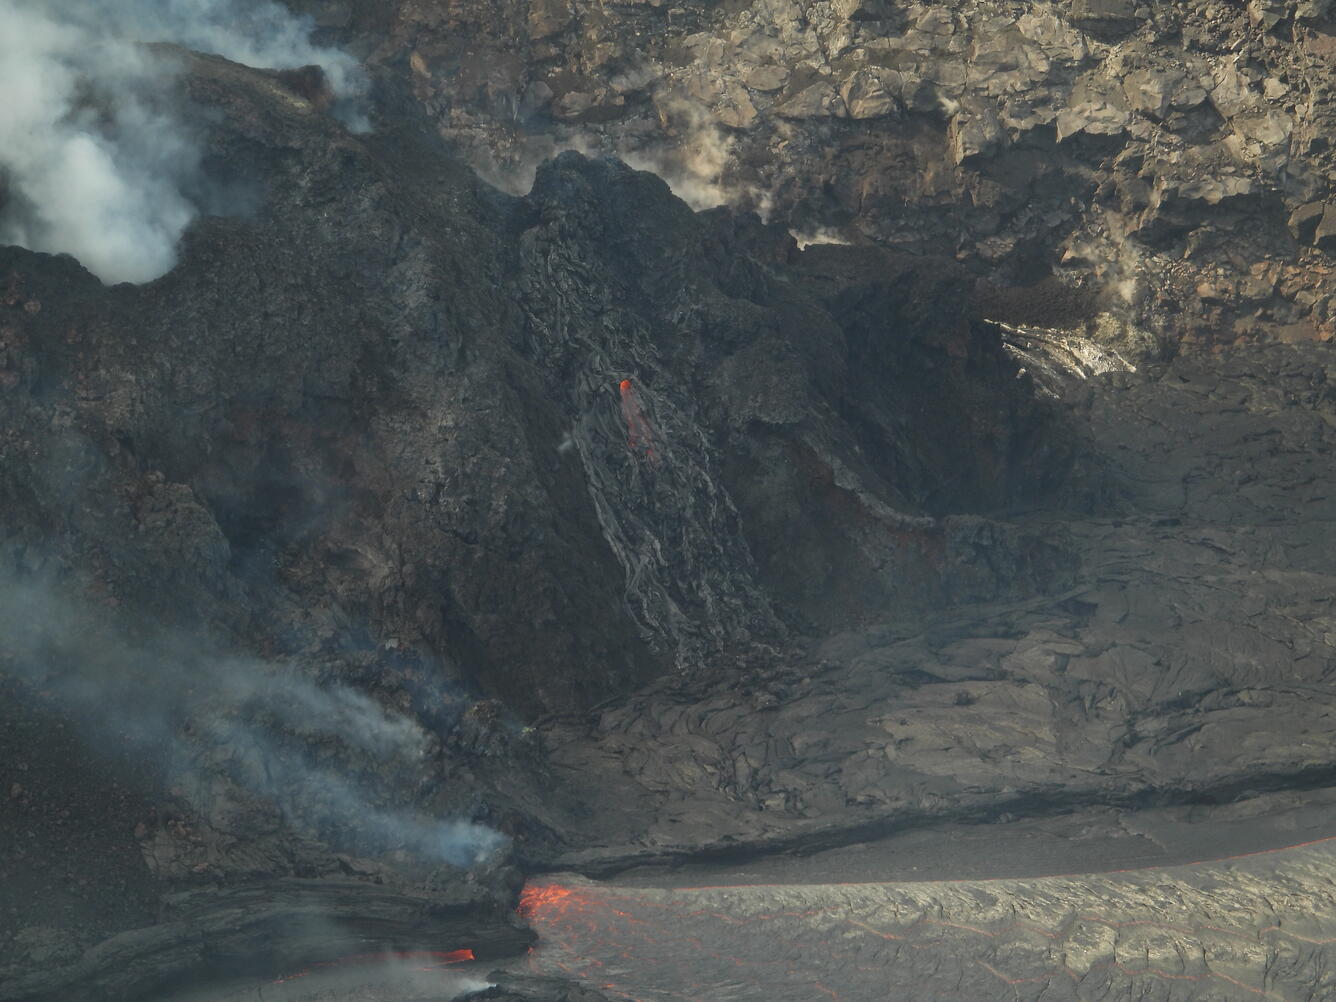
(1168, 160)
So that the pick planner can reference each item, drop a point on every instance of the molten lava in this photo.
(536, 900)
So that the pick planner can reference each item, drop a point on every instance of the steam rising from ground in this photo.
(805, 238)
(695, 162)
(412, 977)
(696, 167)
(95, 158)
(218, 721)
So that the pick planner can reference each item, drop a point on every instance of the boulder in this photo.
(1105, 18)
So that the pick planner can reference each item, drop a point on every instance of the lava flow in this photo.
(622, 940)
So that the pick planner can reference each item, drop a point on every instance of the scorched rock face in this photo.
(337, 425)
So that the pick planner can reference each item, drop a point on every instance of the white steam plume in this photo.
(265, 727)
(94, 159)
(696, 166)
(805, 238)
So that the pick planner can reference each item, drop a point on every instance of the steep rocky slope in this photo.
(381, 417)
(299, 536)
(1169, 160)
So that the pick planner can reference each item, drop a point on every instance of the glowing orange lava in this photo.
(536, 899)
(455, 956)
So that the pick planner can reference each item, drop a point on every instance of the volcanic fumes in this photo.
(100, 155)
(419, 961)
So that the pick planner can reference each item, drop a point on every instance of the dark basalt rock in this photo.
(382, 414)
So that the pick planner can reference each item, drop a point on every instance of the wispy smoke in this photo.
(254, 32)
(414, 975)
(95, 158)
(329, 757)
(693, 155)
(805, 238)
(695, 166)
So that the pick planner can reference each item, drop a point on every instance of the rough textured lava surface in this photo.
(694, 435)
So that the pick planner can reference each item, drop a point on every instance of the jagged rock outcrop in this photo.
(1170, 158)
